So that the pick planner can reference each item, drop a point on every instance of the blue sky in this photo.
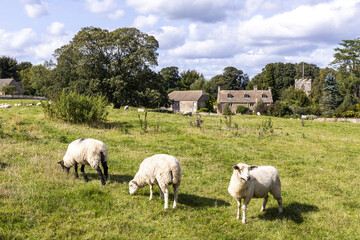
(205, 35)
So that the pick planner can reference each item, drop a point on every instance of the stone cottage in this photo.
(188, 101)
(11, 81)
(246, 98)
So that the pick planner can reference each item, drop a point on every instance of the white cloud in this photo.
(145, 22)
(170, 37)
(56, 28)
(117, 14)
(36, 8)
(198, 10)
(98, 6)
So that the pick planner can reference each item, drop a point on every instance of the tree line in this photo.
(118, 65)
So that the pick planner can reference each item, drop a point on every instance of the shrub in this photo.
(227, 110)
(9, 90)
(76, 108)
(261, 108)
(241, 109)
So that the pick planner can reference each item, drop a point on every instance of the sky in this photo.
(201, 35)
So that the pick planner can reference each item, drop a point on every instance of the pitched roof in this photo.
(5, 81)
(191, 95)
(244, 96)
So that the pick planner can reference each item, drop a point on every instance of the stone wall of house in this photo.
(303, 84)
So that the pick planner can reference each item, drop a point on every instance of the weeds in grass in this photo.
(265, 127)
(197, 121)
(143, 123)
(228, 120)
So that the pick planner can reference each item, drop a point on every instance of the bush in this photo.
(241, 109)
(227, 111)
(9, 90)
(76, 108)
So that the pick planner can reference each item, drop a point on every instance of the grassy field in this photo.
(318, 164)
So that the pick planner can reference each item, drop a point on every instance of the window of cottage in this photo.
(246, 95)
(264, 95)
(251, 104)
(229, 95)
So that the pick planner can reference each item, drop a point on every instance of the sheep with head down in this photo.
(162, 170)
(249, 182)
(86, 151)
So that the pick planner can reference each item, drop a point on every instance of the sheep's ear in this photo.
(59, 162)
(253, 167)
(133, 182)
(236, 167)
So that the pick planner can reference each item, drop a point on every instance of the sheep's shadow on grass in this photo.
(115, 125)
(293, 212)
(200, 202)
(3, 165)
(112, 177)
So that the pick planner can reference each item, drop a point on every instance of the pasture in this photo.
(319, 166)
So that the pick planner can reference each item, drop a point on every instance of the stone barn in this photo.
(188, 101)
(10, 81)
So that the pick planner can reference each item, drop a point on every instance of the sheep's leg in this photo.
(279, 200)
(176, 190)
(161, 193)
(238, 208)
(83, 173)
(151, 192)
(244, 207)
(105, 166)
(103, 181)
(76, 171)
(166, 197)
(264, 203)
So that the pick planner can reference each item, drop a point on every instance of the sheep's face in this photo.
(244, 171)
(65, 169)
(133, 187)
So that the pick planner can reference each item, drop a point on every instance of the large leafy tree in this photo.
(231, 79)
(171, 78)
(189, 77)
(347, 57)
(116, 64)
(8, 67)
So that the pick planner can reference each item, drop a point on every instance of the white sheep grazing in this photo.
(162, 170)
(254, 182)
(86, 151)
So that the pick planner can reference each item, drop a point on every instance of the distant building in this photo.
(188, 101)
(11, 81)
(246, 98)
(303, 84)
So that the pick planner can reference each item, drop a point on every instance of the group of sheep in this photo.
(163, 170)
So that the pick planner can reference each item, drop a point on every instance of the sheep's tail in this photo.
(176, 174)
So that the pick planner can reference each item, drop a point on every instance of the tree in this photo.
(114, 64)
(199, 84)
(189, 77)
(347, 58)
(231, 79)
(8, 90)
(171, 78)
(293, 96)
(8, 67)
(331, 98)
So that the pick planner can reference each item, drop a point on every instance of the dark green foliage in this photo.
(242, 109)
(331, 98)
(8, 90)
(261, 107)
(231, 79)
(114, 64)
(279, 109)
(171, 78)
(227, 110)
(75, 108)
(295, 96)
(188, 78)
(280, 76)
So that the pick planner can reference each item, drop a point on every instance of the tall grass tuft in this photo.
(75, 108)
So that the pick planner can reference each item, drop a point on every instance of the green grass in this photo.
(318, 164)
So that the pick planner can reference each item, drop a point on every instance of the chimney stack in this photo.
(255, 87)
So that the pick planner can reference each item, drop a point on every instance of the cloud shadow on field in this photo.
(199, 202)
(293, 212)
